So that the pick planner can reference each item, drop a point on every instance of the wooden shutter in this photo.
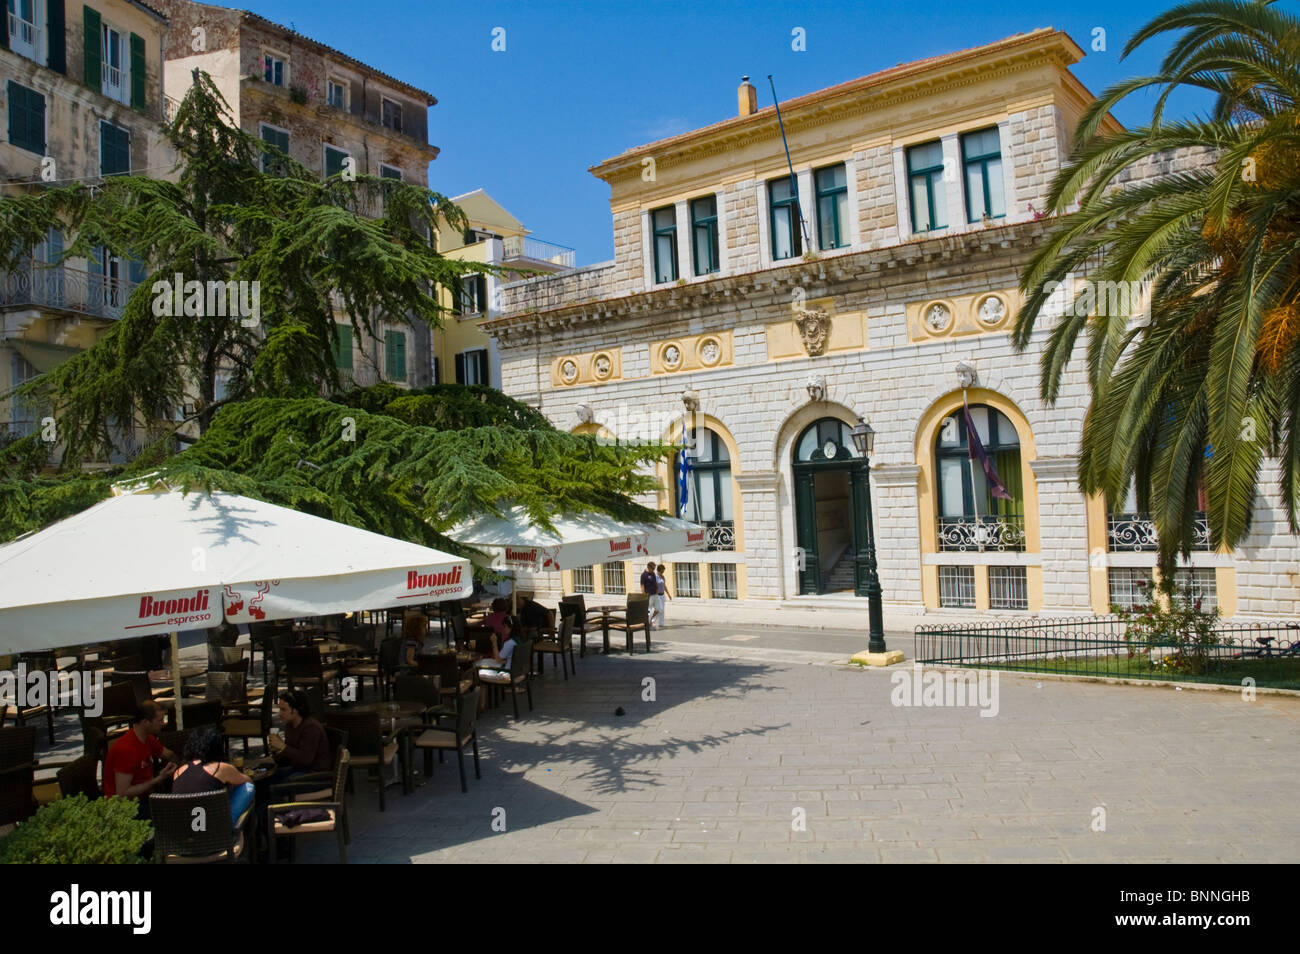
(437, 374)
(58, 28)
(481, 282)
(343, 347)
(92, 73)
(139, 74)
(460, 368)
(26, 118)
(114, 150)
(395, 355)
(456, 295)
(481, 357)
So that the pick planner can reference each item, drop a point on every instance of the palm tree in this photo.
(1208, 387)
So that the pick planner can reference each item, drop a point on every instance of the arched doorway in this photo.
(830, 493)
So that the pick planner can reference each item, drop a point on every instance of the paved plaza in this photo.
(741, 742)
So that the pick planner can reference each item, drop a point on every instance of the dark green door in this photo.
(858, 496)
(805, 518)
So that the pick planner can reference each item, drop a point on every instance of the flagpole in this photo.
(970, 462)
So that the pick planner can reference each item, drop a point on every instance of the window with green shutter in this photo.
(92, 75)
(832, 188)
(334, 161)
(343, 347)
(58, 39)
(273, 159)
(114, 149)
(395, 355)
(26, 118)
(139, 75)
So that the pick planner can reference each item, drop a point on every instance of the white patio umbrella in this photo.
(516, 542)
(146, 562)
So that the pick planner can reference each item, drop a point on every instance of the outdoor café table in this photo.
(332, 647)
(163, 677)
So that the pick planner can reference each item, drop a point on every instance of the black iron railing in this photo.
(987, 532)
(721, 534)
(1133, 532)
(1267, 652)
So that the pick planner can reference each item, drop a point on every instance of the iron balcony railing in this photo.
(721, 534)
(521, 246)
(1005, 532)
(1135, 532)
(66, 288)
(23, 34)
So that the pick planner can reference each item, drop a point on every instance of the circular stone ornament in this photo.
(992, 311)
(710, 351)
(938, 318)
(569, 370)
(603, 366)
(672, 356)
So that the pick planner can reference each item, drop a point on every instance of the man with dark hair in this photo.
(304, 746)
(649, 581)
(128, 768)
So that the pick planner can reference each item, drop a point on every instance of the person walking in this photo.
(661, 593)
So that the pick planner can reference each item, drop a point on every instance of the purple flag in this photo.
(977, 452)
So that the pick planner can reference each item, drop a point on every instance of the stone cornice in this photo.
(762, 481)
(896, 475)
(732, 289)
(1056, 468)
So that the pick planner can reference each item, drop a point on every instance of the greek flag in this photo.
(683, 475)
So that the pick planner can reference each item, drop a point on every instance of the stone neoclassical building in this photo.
(882, 286)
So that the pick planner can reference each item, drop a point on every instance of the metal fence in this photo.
(1267, 652)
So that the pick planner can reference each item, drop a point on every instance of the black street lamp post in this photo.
(864, 439)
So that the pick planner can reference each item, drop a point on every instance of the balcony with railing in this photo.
(521, 248)
(66, 288)
(24, 36)
(1136, 533)
(720, 534)
(997, 532)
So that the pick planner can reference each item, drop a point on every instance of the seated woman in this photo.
(496, 620)
(204, 771)
(500, 658)
(415, 632)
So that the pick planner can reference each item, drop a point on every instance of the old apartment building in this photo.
(81, 92)
(329, 112)
(766, 316)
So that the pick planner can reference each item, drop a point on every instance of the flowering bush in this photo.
(1182, 626)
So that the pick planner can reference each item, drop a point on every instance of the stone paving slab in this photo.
(753, 758)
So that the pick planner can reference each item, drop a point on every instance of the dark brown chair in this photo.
(254, 720)
(207, 712)
(141, 689)
(305, 668)
(576, 606)
(173, 740)
(79, 777)
(334, 804)
(413, 687)
(517, 675)
(17, 746)
(381, 669)
(35, 662)
(452, 682)
(177, 840)
(636, 615)
(453, 732)
(16, 801)
(562, 643)
(368, 747)
(228, 688)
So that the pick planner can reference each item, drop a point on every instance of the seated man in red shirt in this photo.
(128, 769)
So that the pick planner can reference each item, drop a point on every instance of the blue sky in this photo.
(580, 82)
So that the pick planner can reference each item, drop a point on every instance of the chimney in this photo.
(747, 97)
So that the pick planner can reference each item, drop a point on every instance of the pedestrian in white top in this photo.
(662, 594)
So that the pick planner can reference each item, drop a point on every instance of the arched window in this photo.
(827, 439)
(709, 494)
(971, 515)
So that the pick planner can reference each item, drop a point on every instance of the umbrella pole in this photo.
(514, 593)
(176, 679)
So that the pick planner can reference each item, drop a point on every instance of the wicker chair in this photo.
(636, 615)
(367, 746)
(177, 842)
(253, 721)
(462, 731)
(17, 746)
(452, 683)
(518, 675)
(80, 777)
(306, 669)
(422, 689)
(35, 662)
(335, 805)
(562, 643)
(575, 605)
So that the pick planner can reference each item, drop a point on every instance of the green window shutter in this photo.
(26, 118)
(388, 172)
(343, 347)
(114, 150)
(139, 74)
(460, 368)
(395, 355)
(334, 161)
(93, 76)
(58, 39)
(271, 161)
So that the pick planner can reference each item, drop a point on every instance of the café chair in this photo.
(253, 721)
(17, 803)
(79, 777)
(17, 746)
(178, 840)
(368, 747)
(317, 785)
(207, 712)
(173, 740)
(462, 731)
(452, 682)
(637, 615)
(560, 644)
(576, 607)
(334, 804)
(518, 675)
(380, 669)
(305, 668)
(425, 690)
(41, 662)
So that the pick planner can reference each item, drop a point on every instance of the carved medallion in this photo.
(710, 352)
(814, 326)
(603, 366)
(992, 310)
(569, 370)
(938, 318)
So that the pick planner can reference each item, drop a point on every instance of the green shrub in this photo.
(76, 830)
(1179, 624)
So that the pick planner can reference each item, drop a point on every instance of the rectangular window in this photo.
(24, 416)
(787, 227)
(981, 155)
(114, 149)
(26, 118)
(1130, 587)
(663, 222)
(273, 158)
(389, 172)
(336, 94)
(114, 57)
(343, 347)
(832, 186)
(273, 69)
(471, 295)
(584, 580)
(722, 581)
(25, 25)
(472, 367)
(957, 586)
(334, 160)
(1008, 589)
(391, 115)
(704, 235)
(395, 355)
(925, 186)
(614, 579)
(686, 579)
(1194, 586)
